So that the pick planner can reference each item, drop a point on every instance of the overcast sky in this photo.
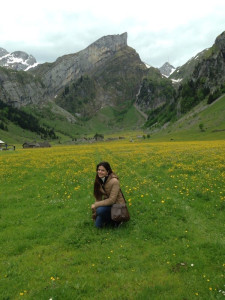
(160, 31)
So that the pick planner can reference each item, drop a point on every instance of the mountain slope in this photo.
(115, 83)
(107, 81)
(207, 78)
(17, 60)
(203, 79)
(19, 88)
(203, 122)
(207, 68)
(167, 69)
(106, 73)
(156, 98)
(70, 67)
(185, 71)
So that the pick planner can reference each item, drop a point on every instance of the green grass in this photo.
(172, 248)
(128, 123)
(107, 121)
(17, 135)
(187, 128)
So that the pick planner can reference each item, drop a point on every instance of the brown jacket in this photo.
(111, 192)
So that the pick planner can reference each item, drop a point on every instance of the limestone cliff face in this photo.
(155, 91)
(185, 71)
(112, 83)
(70, 67)
(16, 86)
(220, 42)
(20, 89)
(110, 73)
(47, 80)
(207, 68)
(210, 72)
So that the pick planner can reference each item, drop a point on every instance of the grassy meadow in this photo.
(172, 248)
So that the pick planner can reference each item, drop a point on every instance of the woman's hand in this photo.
(93, 207)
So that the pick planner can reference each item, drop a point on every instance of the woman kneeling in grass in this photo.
(106, 192)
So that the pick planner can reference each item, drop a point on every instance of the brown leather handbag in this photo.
(119, 212)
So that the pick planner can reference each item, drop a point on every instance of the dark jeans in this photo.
(103, 216)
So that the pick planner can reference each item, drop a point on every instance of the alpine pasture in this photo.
(172, 248)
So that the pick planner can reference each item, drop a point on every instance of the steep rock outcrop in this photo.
(206, 69)
(70, 67)
(54, 77)
(167, 69)
(20, 88)
(112, 83)
(207, 79)
(155, 91)
(203, 77)
(184, 72)
(210, 72)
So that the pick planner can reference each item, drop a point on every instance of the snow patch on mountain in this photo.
(167, 69)
(147, 65)
(177, 80)
(17, 60)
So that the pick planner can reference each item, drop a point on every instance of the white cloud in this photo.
(159, 31)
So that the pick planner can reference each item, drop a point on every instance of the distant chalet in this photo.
(36, 145)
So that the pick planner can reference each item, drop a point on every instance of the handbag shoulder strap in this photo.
(103, 187)
(123, 196)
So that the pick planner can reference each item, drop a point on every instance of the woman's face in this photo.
(102, 172)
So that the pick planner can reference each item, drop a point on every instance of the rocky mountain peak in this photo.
(3, 52)
(72, 66)
(167, 69)
(220, 41)
(113, 42)
(17, 60)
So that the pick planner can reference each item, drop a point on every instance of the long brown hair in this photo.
(97, 183)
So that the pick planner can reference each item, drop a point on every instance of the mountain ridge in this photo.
(167, 69)
(17, 60)
(71, 66)
(109, 73)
